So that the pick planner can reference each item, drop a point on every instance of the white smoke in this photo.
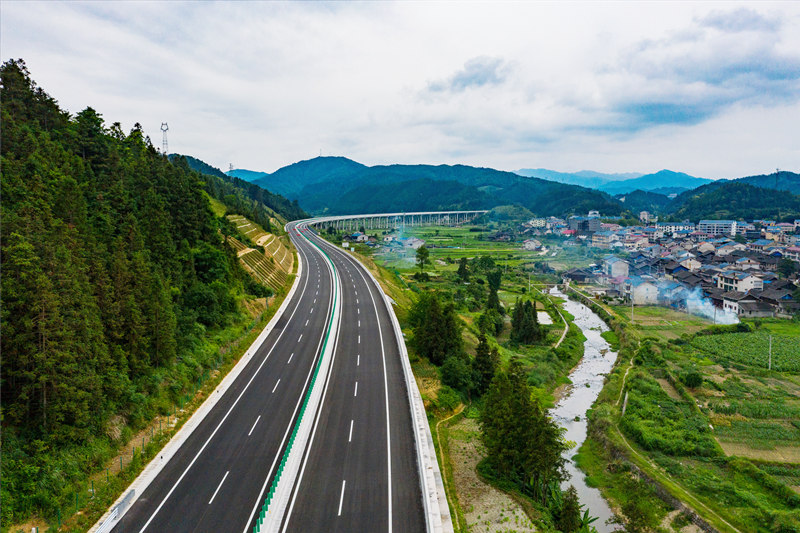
(697, 304)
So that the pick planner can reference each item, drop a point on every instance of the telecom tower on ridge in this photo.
(164, 128)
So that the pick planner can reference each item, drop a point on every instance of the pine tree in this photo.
(568, 517)
(463, 270)
(486, 362)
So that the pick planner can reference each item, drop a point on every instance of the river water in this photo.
(587, 382)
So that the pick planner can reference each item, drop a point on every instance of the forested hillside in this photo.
(115, 281)
(245, 198)
(734, 200)
(336, 185)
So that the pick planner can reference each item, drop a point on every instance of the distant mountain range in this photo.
(584, 178)
(337, 185)
(675, 182)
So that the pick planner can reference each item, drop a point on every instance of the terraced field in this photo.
(270, 267)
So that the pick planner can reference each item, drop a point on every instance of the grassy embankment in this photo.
(476, 505)
(136, 444)
(694, 408)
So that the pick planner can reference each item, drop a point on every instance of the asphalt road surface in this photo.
(359, 472)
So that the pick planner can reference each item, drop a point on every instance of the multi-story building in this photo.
(584, 225)
(717, 227)
(732, 280)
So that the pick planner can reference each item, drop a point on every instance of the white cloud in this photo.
(614, 87)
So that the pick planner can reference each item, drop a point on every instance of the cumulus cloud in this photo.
(739, 20)
(509, 85)
(696, 74)
(477, 72)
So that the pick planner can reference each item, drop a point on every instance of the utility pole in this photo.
(631, 304)
(770, 352)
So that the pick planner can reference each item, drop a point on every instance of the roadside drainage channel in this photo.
(271, 515)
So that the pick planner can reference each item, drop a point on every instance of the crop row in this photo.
(752, 348)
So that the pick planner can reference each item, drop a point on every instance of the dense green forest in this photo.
(336, 185)
(637, 201)
(734, 200)
(243, 195)
(115, 279)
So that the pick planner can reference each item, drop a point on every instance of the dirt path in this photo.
(439, 445)
(486, 509)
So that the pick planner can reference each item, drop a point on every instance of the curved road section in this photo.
(357, 468)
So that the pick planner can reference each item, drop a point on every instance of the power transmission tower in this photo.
(164, 146)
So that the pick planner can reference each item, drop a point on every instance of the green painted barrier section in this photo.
(265, 507)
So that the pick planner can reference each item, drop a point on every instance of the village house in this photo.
(614, 267)
(643, 291)
(731, 280)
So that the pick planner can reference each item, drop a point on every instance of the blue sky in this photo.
(711, 89)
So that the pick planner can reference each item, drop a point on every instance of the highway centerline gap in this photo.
(276, 386)
(254, 425)
(218, 487)
(341, 498)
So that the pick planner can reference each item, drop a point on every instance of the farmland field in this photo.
(752, 348)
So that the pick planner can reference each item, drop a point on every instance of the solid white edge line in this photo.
(254, 425)
(290, 426)
(341, 498)
(385, 377)
(218, 487)
(310, 443)
(175, 485)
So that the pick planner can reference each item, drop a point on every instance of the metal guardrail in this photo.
(116, 512)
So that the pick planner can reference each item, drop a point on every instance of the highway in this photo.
(359, 469)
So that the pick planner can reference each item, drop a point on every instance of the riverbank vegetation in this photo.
(697, 417)
(476, 339)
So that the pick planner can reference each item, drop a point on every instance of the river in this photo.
(587, 382)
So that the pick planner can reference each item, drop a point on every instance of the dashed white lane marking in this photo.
(300, 337)
(290, 358)
(355, 392)
(307, 321)
(359, 339)
(359, 323)
(356, 300)
(315, 300)
(341, 498)
(358, 360)
(220, 486)
(350, 436)
(254, 425)
(359, 310)
(276, 386)
(312, 310)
